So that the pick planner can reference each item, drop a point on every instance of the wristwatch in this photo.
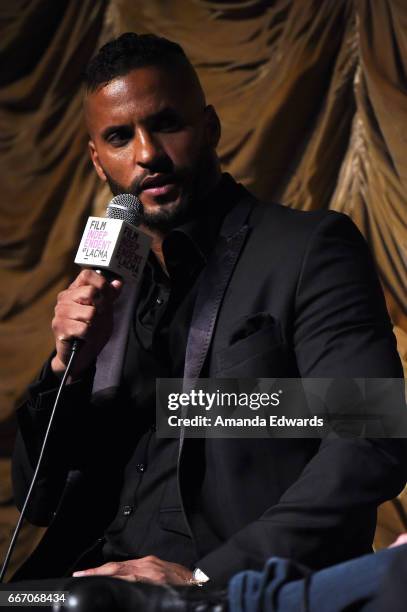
(198, 577)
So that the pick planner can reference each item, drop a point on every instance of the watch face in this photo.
(199, 576)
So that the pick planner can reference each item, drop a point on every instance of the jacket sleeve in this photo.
(341, 330)
(66, 444)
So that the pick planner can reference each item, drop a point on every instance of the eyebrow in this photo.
(165, 112)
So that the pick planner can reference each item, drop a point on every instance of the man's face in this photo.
(151, 135)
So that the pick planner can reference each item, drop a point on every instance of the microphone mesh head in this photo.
(126, 207)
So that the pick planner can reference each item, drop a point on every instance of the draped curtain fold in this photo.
(312, 96)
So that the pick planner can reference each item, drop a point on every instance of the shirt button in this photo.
(127, 510)
(140, 468)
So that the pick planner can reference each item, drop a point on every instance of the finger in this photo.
(107, 291)
(151, 559)
(75, 312)
(92, 278)
(155, 575)
(116, 284)
(88, 295)
(70, 330)
(133, 578)
(89, 277)
(108, 569)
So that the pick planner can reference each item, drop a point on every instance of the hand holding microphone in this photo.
(113, 250)
(84, 311)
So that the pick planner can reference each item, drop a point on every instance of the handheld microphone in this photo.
(113, 245)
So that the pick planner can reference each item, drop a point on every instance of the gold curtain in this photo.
(312, 99)
(47, 187)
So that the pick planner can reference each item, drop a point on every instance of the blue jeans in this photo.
(284, 586)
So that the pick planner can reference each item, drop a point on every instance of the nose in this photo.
(147, 149)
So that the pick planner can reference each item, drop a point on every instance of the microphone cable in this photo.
(74, 349)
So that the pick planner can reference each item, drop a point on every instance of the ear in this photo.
(212, 126)
(95, 160)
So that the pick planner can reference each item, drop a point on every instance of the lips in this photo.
(157, 185)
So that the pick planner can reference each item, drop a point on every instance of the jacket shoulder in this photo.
(301, 220)
(289, 226)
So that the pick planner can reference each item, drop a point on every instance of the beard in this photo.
(168, 216)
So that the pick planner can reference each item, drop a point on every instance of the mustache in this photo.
(137, 185)
(159, 166)
(164, 167)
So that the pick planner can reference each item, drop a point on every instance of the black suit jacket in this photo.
(285, 294)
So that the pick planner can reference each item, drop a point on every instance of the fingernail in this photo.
(78, 574)
(116, 283)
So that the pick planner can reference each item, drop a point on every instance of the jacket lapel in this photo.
(212, 287)
(213, 284)
(109, 363)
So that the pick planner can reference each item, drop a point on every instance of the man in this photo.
(233, 288)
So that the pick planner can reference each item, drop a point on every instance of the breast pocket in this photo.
(173, 519)
(171, 516)
(260, 354)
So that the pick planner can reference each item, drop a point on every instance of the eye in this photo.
(119, 136)
(168, 122)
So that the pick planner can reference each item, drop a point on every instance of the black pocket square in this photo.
(252, 324)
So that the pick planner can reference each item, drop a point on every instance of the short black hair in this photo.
(130, 50)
